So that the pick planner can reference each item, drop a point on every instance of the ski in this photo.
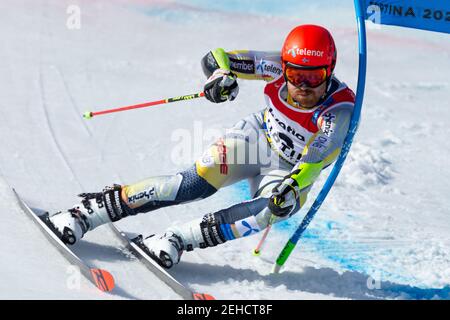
(102, 279)
(134, 246)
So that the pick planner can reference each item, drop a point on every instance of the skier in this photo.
(301, 130)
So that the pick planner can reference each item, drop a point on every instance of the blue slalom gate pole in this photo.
(354, 122)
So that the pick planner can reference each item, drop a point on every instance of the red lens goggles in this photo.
(305, 76)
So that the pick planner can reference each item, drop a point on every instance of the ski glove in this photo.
(221, 86)
(285, 196)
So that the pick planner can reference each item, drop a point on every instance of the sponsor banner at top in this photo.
(433, 15)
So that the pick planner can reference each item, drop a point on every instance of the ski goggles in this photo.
(311, 78)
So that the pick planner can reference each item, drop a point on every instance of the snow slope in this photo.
(383, 231)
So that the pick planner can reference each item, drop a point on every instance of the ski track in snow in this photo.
(382, 233)
(51, 130)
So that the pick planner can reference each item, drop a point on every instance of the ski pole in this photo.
(90, 114)
(257, 250)
(292, 242)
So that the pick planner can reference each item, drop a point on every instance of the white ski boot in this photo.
(94, 210)
(75, 222)
(167, 248)
(70, 225)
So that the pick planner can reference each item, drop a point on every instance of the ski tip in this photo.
(202, 296)
(103, 279)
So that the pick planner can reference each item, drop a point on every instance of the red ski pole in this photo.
(257, 250)
(90, 114)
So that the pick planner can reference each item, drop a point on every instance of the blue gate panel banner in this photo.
(433, 15)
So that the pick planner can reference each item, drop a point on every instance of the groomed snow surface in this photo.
(382, 233)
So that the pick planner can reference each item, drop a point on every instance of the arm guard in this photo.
(213, 60)
(245, 64)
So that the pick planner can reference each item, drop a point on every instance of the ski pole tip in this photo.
(87, 115)
(276, 268)
(256, 252)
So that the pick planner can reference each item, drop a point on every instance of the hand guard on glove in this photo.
(221, 86)
(285, 196)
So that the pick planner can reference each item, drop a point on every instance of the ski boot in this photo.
(94, 210)
(166, 248)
